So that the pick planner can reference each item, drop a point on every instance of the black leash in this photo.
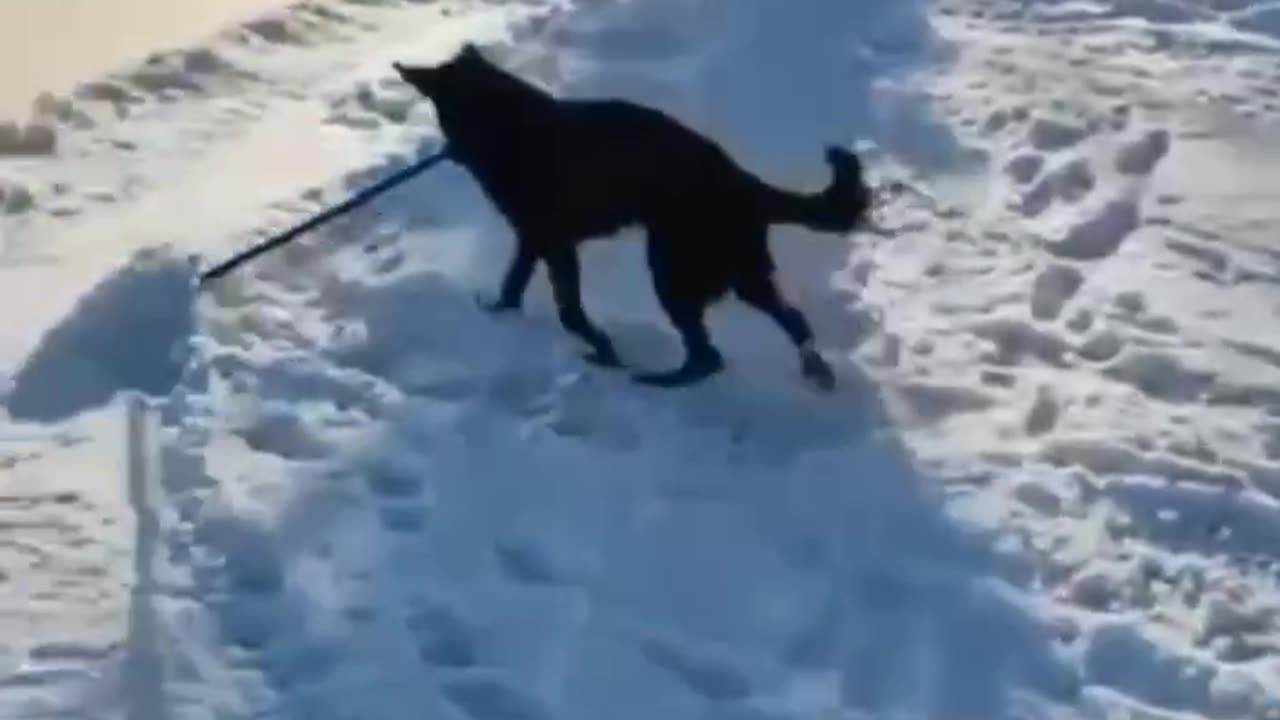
(354, 201)
(367, 194)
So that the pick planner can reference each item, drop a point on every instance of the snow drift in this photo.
(129, 332)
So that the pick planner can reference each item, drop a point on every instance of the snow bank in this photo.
(772, 82)
(126, 333)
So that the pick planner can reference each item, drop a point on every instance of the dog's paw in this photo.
(817, 371)
(604, 358)
(494, 305)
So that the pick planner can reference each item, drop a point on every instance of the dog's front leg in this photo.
(566, 285)
(514, 282)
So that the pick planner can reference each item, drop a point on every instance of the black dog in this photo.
(563, 171)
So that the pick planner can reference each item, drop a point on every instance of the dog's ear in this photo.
(422, 78)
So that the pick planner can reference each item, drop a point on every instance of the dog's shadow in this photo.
(772, 413)
(761, 400)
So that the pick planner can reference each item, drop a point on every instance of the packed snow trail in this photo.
(578, 548)
(1046, 487)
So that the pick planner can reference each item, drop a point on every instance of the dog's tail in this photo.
(839, 208)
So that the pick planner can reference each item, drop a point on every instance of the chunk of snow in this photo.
(20, 140)
(1140, 156)
(1052, 288)
(1050, 134)
(1100, 233)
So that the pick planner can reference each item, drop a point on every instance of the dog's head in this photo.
(464, 69)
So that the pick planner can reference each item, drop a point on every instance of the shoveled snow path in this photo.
(387, 499)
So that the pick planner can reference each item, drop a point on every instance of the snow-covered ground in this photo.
(1048, 485)
(50, 46)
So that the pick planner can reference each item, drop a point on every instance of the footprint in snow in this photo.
(527, 563)
(490, 697)
(398, 492)
(444, 638)
(403, 519)
(712, 678)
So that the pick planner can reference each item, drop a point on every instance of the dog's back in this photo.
(618, 163)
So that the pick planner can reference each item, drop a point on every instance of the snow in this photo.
(126, 333)
(47, 47)
(330, 486)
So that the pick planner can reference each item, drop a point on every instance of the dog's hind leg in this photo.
(702, 360)
(514, 282)
(566, 285)
(760, 291)
(685, 309)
